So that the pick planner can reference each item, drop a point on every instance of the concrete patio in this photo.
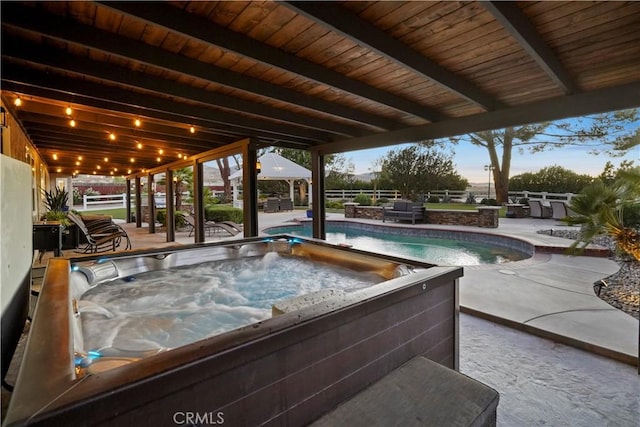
(541, 381)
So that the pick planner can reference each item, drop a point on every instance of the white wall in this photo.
(16, 246)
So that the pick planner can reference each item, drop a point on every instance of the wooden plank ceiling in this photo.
(330, 76)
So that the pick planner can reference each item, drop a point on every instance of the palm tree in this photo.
(600, 210)
(181, 177)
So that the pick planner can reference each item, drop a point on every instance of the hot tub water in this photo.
(163, 309)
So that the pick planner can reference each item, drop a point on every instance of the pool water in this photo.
(163, 309)
(433, 250)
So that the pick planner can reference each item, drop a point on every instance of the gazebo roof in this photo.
(274, 167)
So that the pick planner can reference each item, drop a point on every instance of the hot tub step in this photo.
(420, 392)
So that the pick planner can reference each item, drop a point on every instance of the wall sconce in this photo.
(3, 117)
(258, 166)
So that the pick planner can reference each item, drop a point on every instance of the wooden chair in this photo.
(106, 237)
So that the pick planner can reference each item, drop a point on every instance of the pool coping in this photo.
(553, 296)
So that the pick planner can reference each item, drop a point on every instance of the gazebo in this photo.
(274, 167)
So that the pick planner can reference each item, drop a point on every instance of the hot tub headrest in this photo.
(99, 272)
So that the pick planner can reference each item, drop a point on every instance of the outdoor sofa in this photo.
(404, 210)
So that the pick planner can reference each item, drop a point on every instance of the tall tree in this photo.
(419, 168)
(614, 133)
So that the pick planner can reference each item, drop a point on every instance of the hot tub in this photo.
(290, 368)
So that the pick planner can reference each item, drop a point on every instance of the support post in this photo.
(198, 205)
(170, 216)
(152, 204)
(138, 202)
(318, 208)
(250, 188)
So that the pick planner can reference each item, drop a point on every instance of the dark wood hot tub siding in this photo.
(338, 357)
(291, 376)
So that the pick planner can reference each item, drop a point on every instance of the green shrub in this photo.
(433, 199)
(334, 204)
(631, 216)
(471, 199)
(363, 199)
(490, 202)
(223, 213)
(91, 192)
(77, 197)
(382, 201)
(161, 217)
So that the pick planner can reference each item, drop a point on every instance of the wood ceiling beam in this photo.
(179, 21)
(70, 31)
(114, 109)
(75, 88)
(518, 25)
(23, 51)
(147, 129)
(344, 22)
(149, 138)
(597, 101)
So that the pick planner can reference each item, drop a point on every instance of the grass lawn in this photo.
(116, 213)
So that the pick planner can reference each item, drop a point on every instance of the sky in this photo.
(470, 160)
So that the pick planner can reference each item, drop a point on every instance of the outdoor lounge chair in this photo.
(538, 210)
(212, 226)
(559, 208)
(100, 238)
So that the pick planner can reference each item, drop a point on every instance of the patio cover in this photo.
(274, 167)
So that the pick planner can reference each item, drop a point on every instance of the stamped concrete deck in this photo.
(540, 381)
(550, 294)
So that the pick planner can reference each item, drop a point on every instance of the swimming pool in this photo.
(442, 247)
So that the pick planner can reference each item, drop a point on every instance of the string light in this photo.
(139, 146)
(69, 111)
(137, 123)
(132, 160)
(106, 159)
(80, 158)
(112, 136)
(192, 129)
(72, 123)
(161, 151)
(17, 102)
(55, 156)
(59, 170)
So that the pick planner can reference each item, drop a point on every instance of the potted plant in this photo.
(56, 201)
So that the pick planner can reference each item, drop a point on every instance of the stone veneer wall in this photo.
(485, 216)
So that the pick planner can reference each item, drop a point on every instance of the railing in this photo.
(453, 195)
(120, 200)
(115, 200)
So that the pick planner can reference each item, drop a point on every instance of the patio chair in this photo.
(538, 210)
(211, 226)
(286, 205)
(272, 205)
(102, 238)
(559, 209)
